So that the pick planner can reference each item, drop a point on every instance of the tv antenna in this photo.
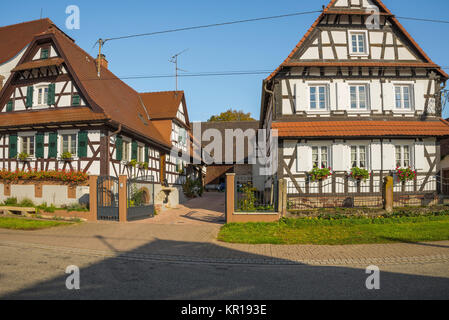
(174, 60)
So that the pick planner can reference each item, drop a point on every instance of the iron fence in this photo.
(254, 198)
(140, 198)
(108, 198)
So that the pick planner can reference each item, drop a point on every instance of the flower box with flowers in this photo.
(360, 174)
(34, 175)
(318, 174)
(405, 174)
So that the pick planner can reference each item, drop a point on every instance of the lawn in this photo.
(29, 224)
(339, 232)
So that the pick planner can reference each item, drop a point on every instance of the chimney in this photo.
(102, 60)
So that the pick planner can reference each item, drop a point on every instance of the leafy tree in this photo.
(232, 115)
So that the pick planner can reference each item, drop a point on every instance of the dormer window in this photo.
(358, 43)
(45, 53)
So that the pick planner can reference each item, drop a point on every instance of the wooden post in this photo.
(93, 197)
(123, 199)
(230, 196)
(282, 199)
(388, 194)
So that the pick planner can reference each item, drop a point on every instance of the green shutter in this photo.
(76, 101)
(40, 145)
(44, 54)
(51, 94)
(147, 157)
(29, 100)
(134, 151)
(9, 106)
(119, 148)
(12, 146)
(53, 145)
(82, 144)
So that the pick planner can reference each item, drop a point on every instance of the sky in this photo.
(251, 46)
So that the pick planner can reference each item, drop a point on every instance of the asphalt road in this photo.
(36, 273)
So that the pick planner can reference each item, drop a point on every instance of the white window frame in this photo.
(351, 46)
(317, 87)
(402, 160)
(40, 97)
(70, 143)
(367, 96)
(22, 144)
(140, 153)
(320, 155)
(411, 89)
(358, 158)
(126, 149)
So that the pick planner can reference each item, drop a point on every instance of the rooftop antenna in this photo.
(174, 60)
(41, 12)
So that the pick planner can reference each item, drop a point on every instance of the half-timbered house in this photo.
(356, 93)
(61, 109)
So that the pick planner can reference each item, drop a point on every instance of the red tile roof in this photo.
(162, 105)
(365, 128)
(39, 64)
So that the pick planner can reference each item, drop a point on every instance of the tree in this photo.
(232, 115)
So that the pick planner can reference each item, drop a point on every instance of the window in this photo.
(403, 97)
(69, 143)
(359, 97)
(359, 157)
(140, 154)
(320, 157)
(27, 145)
(358, 43)
(403, 156)
(45, 53)
(42, 96)
(76, 100)
(318, 98)
(126, 151)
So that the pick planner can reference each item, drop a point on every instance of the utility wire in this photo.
(212, 25)
(424, 20)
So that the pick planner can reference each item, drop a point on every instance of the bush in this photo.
(193, 188)
(10, 202)
(27, 203)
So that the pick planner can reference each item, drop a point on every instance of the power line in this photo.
(424, 20)
(213, 25)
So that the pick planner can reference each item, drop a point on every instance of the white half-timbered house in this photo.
(356, 94)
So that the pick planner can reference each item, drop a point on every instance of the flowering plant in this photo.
(23, 156)
(318, 174)
(64, 176)
(405, 174)
(66, 156)
(360, 174)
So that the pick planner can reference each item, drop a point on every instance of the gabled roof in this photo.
(366, 128)
(163, 105)
(16, 37)
(108, 94)
(330, 9)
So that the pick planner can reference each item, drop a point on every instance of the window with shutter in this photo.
(45, 53)
(9, 106)
(134, 151)
(53, 145)
(12, 146)
(29, 99)
(119, 148)
(82, 144)
(51, 94)
(76, 100)
(40, 146)
(147, 158)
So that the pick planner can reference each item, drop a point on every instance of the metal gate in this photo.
(108, 198)
(140, 197)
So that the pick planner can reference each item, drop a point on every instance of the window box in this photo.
(67, 157)
(24, 157)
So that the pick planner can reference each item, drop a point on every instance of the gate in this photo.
(108, 198)
(140, 197)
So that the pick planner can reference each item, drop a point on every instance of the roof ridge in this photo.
(168, 91)
(26, 22)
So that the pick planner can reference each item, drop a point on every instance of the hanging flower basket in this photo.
(319, 174)
(405, 174)
(360, 174)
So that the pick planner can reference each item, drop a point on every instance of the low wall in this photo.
(50, 192)
(238, 217)
(87, 216)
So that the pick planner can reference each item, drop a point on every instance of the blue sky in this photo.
(251, 46)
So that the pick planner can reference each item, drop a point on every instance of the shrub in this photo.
(193, 188)
(247, 204)
(318, 174)
(27, 203)
(10, 202)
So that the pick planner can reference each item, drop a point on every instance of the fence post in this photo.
(123, 198)
(93, 197)
(230, 195)
(282, 201)
(388, 194)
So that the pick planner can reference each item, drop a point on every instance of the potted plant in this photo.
(318, 174)
(24, 157)
(359, 174)
(132, 163)
(67, 156)
(143, 165)
(405, 174)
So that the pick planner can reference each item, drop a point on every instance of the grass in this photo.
(29, 224)
(343, 231)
